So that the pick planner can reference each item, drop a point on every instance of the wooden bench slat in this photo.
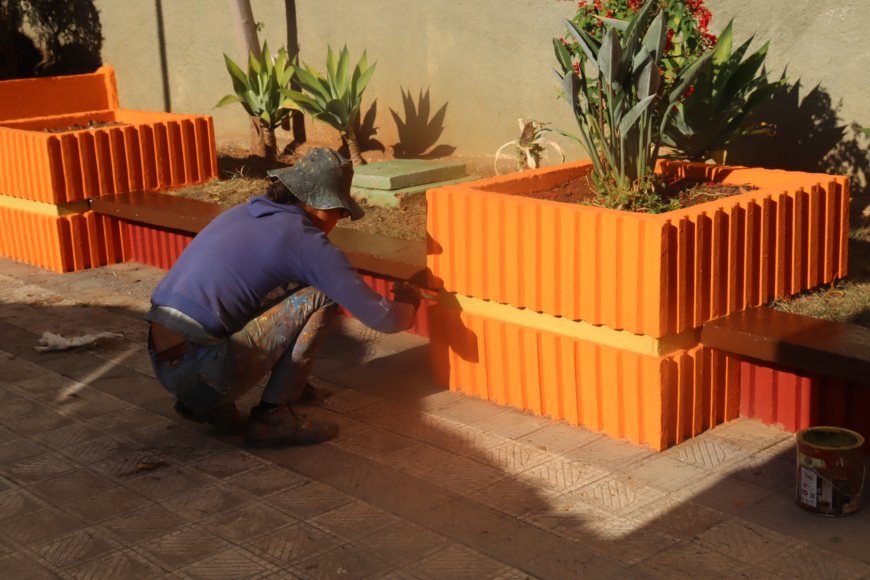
(832, 349)
(371, 253)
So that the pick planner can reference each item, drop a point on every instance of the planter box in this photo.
(62, 243)
(150, 151)
(592, 315)
(649, 274)
(50, 169)
(657, 400)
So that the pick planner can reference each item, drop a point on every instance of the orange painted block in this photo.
(61, 243)
(50, 152)
(136, 151)
(46, 96)
(648, 274)
(652, 400)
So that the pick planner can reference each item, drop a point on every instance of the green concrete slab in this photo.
(401, 173)
(385, 198)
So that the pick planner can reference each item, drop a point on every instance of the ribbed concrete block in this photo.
(402, 173)
(50, 152)
(649, 274)
(64, 243)
(647, 399)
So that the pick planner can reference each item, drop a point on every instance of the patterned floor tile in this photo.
(342, 562)
(204, 502)
(246, 522)
(167, 481)
(76, 548)
(810, 562)
(353, 520)
(184, 546)
(25, 566)
(37, 468)
(106, 505)
(689, 560)
(143, 524)
(744, 541)
(227, 464)
(559, 475)
(41, 526)
(230, 564)
(401, 543)
(309, 500)
(618, 493)
(17, 502)
(455, 561)
(71, 486)
(464, 476)
(267, 479)
(120, 564)
(292, 544)
(67, 436)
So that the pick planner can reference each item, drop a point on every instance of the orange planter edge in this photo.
(654, 400)
(62, 243)
(649, 274)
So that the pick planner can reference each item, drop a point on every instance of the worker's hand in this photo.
(404, 292)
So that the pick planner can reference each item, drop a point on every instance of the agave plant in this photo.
(726, 90)
(614, 91)
(261, 92)
(335, 98)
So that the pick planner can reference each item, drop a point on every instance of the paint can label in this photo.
(809, 482)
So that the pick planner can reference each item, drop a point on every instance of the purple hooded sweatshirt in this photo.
(222, 277)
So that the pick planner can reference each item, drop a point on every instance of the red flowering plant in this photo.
(615, 83)
(688, 33)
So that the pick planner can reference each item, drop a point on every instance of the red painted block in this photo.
(796, 400)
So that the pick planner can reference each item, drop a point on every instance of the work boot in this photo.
(279, 426)
(226, 419)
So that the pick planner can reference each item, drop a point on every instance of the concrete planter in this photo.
(65, 141)
(649, 274)
(581, 275)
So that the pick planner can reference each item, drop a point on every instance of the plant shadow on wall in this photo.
(49, 38)
(811, 136)
(417, 131)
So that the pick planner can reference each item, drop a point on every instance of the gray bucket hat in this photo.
(322, 180)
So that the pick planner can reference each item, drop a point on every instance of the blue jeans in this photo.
(283, 340)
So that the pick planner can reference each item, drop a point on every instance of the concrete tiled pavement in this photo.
(99, 478)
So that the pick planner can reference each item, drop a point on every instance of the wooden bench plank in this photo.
(794, 341)
(371, 253)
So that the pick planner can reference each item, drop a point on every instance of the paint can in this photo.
(830, 470)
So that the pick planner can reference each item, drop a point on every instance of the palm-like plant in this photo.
(621, 108)
(335, 98)
(261, 92)
(726, 90)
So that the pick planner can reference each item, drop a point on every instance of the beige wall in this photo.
(489, 60)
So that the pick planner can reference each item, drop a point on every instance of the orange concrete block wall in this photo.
(654, 400)
(46, 96)
(649, 274)
(148, 151)
(64, 140)
(49, 152)
(62, 243)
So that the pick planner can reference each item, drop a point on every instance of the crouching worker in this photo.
(213, 335)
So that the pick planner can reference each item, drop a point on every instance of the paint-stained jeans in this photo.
(284, 340)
